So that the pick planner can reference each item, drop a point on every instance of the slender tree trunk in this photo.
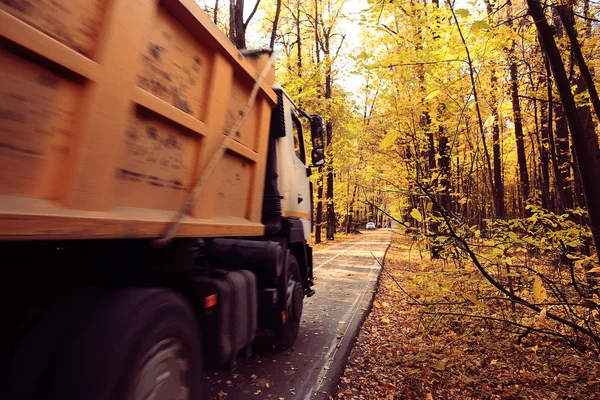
(586, 145)
(497, 155)
(319, 212)
(498, 188)
(563, 158)
(517, 120)
(475, 97)
(351, 209)
(566, 16)
(445, 170)
(276, 23)
(216, 12)
(544, 159)
(299, 40)
(331, 220)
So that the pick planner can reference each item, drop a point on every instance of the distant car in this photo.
(370, 225)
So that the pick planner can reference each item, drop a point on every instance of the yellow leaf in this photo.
(489, 121)
(416, 214)
(439, 366)
(542, 316)
(594, 270)
(473, 300)
(432, 95)
(385, 320)
(539, 291)
(388, 140)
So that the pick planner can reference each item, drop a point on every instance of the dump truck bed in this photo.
(109, 112)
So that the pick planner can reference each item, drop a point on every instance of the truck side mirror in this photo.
(317, 136)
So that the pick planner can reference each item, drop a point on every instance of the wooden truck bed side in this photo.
(109, 110)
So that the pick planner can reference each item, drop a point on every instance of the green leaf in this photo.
(388, 140)
(539, 291)
(432, 95)
(416, 214)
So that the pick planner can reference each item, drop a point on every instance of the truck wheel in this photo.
(293, 304)
(138, 344)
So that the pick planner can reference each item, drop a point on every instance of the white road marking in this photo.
(334, 257)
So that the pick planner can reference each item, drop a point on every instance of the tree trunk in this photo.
(237, 30)
(566, 16)
(516, 107)
(498, 188)
(586, 145)
(319, 211)
(216, 12)
(544, 158)
(331, 220)
(276, 23)
(445, 171)
(563, 158)
(350, 221)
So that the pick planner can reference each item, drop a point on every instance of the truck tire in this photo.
(294, 298)
(138, 344)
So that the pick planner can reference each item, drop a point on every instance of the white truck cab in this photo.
(293, 172)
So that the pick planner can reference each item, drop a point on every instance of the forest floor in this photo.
(404, 353)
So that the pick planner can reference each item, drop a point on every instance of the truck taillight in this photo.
(210, 301)
(283, 317)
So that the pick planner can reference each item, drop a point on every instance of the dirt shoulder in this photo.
(402, 353)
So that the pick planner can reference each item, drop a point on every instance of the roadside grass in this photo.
(407, 351)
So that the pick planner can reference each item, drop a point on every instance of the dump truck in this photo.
(155, 201)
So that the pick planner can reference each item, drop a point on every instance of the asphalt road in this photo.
(346, 277)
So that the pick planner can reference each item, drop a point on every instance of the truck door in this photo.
(292, 170)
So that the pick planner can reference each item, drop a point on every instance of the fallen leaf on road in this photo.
(440, 366)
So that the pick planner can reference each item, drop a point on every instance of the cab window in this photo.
(298, 140)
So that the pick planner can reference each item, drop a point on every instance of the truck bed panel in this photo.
(109, 112)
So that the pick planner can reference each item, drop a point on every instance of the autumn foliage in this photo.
(474, 131)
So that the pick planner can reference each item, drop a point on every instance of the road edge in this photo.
(333, 386)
